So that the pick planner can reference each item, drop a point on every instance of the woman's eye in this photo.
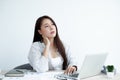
(46, 26)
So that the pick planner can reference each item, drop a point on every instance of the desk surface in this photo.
(50, 76)
(103, 77)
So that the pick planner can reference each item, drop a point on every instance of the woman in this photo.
(47, 51)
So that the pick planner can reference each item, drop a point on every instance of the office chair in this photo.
(24, 66)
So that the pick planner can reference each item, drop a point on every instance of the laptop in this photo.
(92, 65)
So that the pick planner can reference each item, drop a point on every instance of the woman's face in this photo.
(48, 29)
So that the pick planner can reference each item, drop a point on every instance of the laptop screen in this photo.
(92, 65)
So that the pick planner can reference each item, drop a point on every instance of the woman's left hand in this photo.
(70, 70)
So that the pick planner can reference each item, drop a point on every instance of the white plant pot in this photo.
(110, 74)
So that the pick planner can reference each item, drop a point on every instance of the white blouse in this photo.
(42, 64)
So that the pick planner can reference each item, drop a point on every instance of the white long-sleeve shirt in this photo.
(41, 63)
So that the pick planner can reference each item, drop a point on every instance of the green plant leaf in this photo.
(110, 68)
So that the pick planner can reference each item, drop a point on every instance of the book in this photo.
(15, 73)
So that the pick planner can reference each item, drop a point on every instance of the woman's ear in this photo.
(39, 32)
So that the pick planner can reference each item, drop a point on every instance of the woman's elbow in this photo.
(41, 69)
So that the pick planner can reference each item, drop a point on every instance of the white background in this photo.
(88, 26)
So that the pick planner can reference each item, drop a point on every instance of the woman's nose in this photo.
(51, 27)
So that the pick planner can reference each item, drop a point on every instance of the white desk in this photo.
(50, 76)
(103, 77)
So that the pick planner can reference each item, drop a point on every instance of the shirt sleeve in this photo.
(37, 61)
(72, 61)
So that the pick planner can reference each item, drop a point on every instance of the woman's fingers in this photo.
(67, 70)
(46, 40)
(70, 70)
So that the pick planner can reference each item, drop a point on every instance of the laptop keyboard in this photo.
(73, 76)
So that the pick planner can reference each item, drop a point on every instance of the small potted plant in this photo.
(110, 71)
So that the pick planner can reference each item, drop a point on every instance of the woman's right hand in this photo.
(46, 41)
(47, 46)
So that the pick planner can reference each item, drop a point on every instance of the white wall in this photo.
(88, 26)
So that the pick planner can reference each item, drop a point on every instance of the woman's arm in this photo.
(38, 61)
(72, 62)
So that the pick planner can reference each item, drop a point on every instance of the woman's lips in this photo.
(52, 32)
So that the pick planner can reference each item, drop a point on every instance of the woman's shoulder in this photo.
(66, 45)
(37, 44)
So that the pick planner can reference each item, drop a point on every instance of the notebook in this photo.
(15, 73)
(92, 65)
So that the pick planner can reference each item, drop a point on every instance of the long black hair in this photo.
(58, 43)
